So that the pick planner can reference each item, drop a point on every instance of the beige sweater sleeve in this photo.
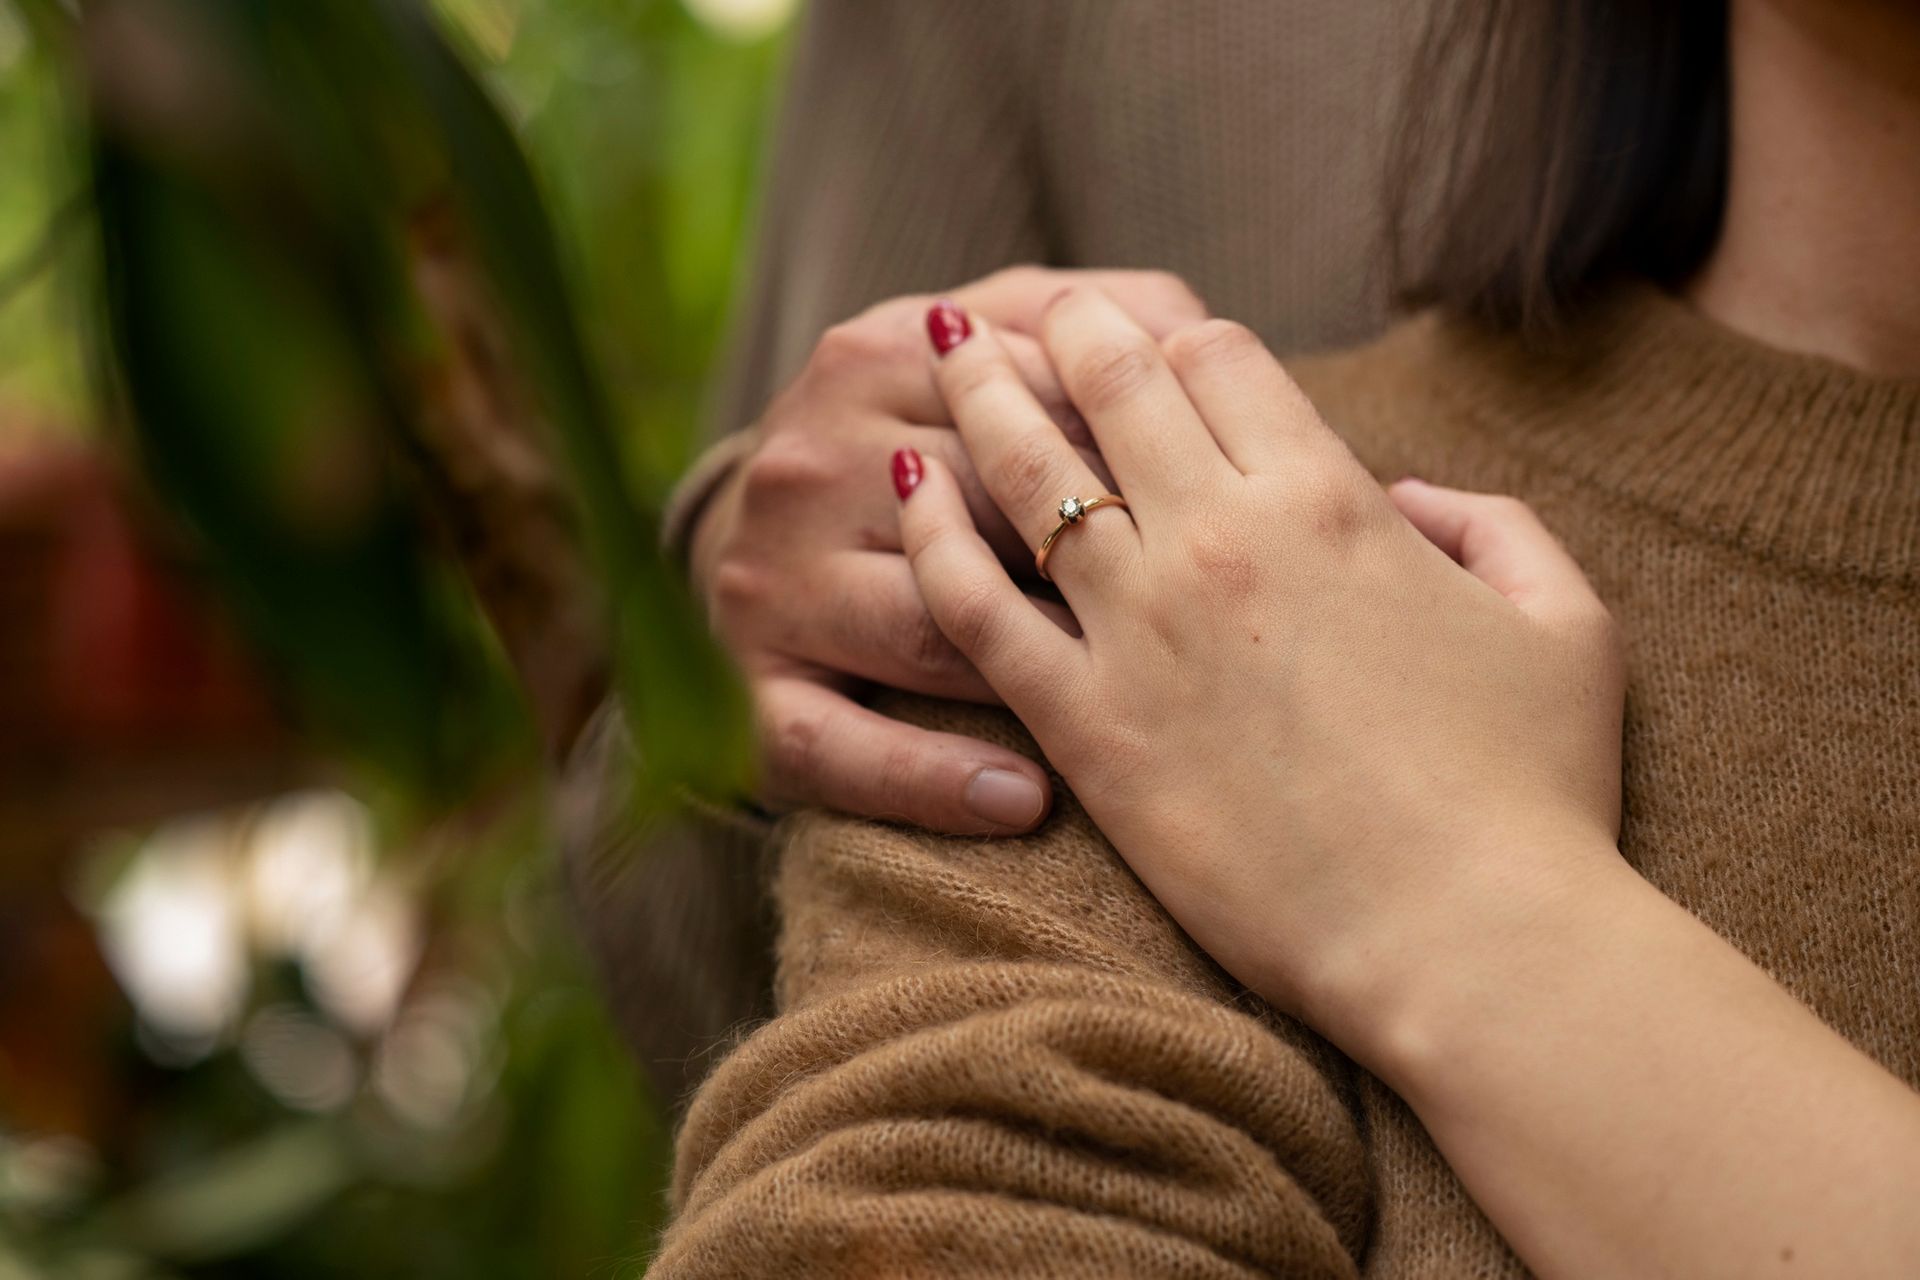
(1001, 1057)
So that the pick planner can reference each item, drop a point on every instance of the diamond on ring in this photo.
(1072, 512)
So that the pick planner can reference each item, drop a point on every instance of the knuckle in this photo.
(1030, 465)
(1113, 372)
(899, 771)
(1211, 342)
(926, 646)
(784, 466)
(1225, 558)
(971, 617)
(736, 585)
(1332, 507)
(852, 345)
(792, 743)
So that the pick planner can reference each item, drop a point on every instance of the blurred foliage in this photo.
(271, 183)
(491, 1125)
(236, 300)
(43, 299)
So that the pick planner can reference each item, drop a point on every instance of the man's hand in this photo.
(798, 557)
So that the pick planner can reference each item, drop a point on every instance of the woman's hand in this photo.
(1336, 733)
(799, 561)
(1365, 747)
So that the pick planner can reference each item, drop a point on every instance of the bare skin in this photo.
(1818, 251)
(798, 559)
(1514, 981)
(1816, 256)
(1497, 964)
(1517, 984)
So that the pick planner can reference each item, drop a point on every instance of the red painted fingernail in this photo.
(947, 326)
(907, 472)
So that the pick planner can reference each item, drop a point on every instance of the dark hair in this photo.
(1549, 146)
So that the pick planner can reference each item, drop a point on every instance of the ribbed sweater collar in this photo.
(1792, 457)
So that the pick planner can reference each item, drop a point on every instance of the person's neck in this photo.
(1820, 248)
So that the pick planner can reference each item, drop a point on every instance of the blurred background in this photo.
(288, 985)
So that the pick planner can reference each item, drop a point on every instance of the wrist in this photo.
(1406, 996)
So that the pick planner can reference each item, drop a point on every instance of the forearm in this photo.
(1625, 1093)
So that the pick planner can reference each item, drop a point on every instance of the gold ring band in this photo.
(1072, 512)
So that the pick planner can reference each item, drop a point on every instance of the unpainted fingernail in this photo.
(1005, 798)
(947, 326)
(908, 471)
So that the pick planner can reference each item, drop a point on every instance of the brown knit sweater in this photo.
(1003, 1058)
(924, 144)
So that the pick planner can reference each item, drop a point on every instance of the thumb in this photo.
(1500, 541)
(819, 747)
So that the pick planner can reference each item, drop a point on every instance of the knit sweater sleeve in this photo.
(1001, 1057)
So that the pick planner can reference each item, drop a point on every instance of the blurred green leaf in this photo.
(255, 180)
(253, 280)
(43, 222)
(294, 161)
(687, 709)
